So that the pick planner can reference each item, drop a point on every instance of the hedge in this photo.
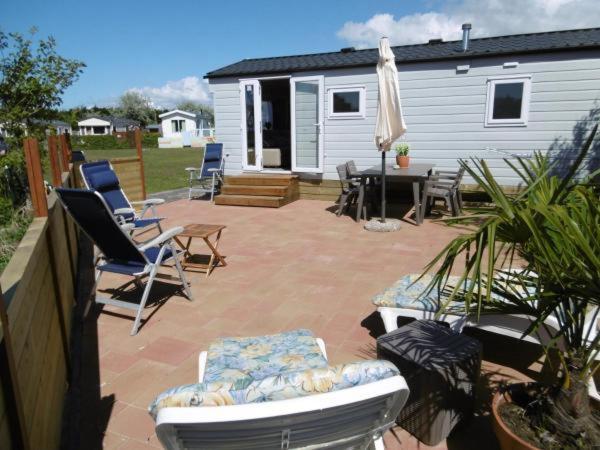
(111, 142)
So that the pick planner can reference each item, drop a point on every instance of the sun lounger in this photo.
(205, 179)
(119, 254)
(100, 176)
(405, 299)
(278, 392)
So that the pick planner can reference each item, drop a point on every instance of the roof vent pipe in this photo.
(465, 40)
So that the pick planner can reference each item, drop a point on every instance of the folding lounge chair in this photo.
(278, 392)
(119, 254)
(101, 177)
(405, 299)
(210, 172)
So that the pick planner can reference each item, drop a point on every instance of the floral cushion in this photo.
(407, 293)
(277, 387)
(262, 356)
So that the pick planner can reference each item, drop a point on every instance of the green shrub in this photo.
(105, 142)
(13, 177)
(111, 142)
(150, 140)
(6, 211)
(12, 233)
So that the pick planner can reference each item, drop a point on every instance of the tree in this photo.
(33, 78)
(198, 108)
(135, 106)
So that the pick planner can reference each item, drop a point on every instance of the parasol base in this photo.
(389, 225)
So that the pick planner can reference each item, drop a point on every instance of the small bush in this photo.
(13, 178)
(112, 142)
(6, 211)
(12, 233)
(106, 142)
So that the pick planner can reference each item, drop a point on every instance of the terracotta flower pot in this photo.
(402, 161)
(506, 438)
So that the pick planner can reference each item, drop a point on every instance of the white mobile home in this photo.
(183, 129)
(306, 114)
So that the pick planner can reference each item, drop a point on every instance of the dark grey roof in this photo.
(491, 46)
(53, 123)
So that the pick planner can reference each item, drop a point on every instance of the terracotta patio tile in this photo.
(117, 362)
(134, 423)
(168, 350)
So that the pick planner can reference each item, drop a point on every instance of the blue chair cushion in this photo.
(131, 268)
(274, 388)
(408, 293)
(263, 356)
(103, 180)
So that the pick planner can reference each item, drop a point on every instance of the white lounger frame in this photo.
(394, 388)
(510, 325)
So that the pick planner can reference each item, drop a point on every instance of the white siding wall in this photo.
(445, 111)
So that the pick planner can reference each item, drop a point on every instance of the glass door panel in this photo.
(307, 124)
(251, 124)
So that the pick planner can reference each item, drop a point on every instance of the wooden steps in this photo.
(262, 190)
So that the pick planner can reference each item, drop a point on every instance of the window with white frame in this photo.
(508, 101)
(178, 125)
(347, 102)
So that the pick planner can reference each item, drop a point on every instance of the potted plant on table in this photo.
(537, 253)
(402, 158)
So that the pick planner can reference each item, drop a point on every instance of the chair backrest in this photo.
(100, 176)
(77, 156)
(342, 171)
(93, 215)
(348, 418)
(351, 166)
(213, 157)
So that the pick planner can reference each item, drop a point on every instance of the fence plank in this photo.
(11, 393)
(65, 151)
(35, 177)
(54, 161)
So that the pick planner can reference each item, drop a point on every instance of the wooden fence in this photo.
(131, 170)
(37, 297)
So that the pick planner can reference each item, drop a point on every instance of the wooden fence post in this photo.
(35, 177)
(54, 162)
(10, 384)
(65, 150)
(138, 147)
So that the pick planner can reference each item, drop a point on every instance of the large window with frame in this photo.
(347, 102)
(508, 101)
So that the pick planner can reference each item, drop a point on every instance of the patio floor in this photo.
(297, 266)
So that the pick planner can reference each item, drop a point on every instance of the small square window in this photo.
(347, 102)
(508, 101)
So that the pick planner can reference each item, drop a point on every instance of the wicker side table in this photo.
(441, 369)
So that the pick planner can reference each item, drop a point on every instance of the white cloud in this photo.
(192, 89)
(488, 17)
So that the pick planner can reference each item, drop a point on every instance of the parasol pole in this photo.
(382, 183)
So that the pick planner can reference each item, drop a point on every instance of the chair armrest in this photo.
(121, 211)
(127, 227)
(192, 169)
(163, 237)
(149, 201)
(213, 170)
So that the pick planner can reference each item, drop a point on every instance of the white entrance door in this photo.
(250, 99)
(307, 124)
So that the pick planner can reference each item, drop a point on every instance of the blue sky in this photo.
(163, 49)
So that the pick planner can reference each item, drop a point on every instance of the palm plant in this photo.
(537, 253)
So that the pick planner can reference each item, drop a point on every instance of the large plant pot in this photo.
(402, 161)
(506, 438)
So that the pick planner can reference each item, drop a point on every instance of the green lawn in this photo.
(164, 167)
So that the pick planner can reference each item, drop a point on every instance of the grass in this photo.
(164, 167)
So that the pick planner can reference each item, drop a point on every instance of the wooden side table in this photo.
(201, 263)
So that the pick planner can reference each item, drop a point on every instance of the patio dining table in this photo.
(415, 174)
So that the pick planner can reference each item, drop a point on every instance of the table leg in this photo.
(215, 254)
(361, 199)
(417, 201)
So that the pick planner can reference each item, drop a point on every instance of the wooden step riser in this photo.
(234, 200)
(258, 181)
(277, 191)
